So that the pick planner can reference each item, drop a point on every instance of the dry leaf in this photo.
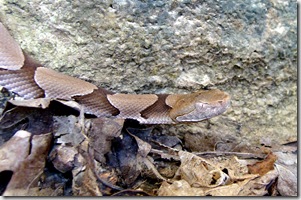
(259, 186)
(33, 103)
(102, 132)
(33, 120)
(124, 156)
(62, 158)
(179, 188)
(131, 193)
(84, 182)
(143, 147)
(66, 131)
(26, 158)
(199, 172)
(256, 186)
(262, 167)
(14, 151)
(195, 174)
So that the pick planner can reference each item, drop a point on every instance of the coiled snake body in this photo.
(19, 74)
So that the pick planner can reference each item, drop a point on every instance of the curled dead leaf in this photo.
(25, 157)
(33, 103)
(204, 173)
(263, 167)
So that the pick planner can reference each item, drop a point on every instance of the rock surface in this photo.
(247, 49)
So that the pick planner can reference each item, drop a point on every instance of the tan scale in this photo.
(131, 105)
(11, 55)
(61, 86)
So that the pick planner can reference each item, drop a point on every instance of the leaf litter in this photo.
(47, 152)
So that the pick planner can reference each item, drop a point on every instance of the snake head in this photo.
(198, 106)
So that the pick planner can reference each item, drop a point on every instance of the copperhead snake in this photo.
(32, 81)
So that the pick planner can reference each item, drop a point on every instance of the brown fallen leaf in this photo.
(194, 175)
(179, 188)
(66, 131)
(143, 147)
(33, 103)
(84, 182)
(34, 120)
(260, 185)
(142, 156)
(262, 167)
(199, 172)
(109, 180)
(101, 134)
(287, 166)
(245, 185)
(124, 156)
(25, 157)
(62, 157)
(10, 156)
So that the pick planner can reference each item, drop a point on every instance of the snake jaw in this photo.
(203, 111)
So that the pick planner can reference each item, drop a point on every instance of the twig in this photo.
(239, 154)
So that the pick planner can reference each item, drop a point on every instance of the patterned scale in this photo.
(11, 55)
(131, 105)
(158, 112)
(97, 103)
(13, 75)
(21, 82)
(59, 86)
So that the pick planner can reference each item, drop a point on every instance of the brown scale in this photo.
(97, 103)
(22, 81)
(158, 111)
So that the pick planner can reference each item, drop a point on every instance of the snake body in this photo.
(32, 81)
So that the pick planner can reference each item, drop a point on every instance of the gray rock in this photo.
(248, 49)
